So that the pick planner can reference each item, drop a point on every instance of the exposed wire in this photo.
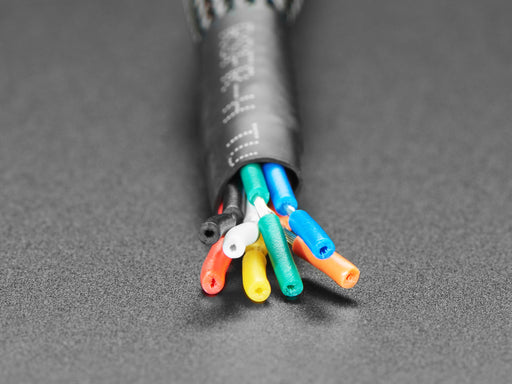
(214, 269)
(254, 274)
(242, 235)
(342, 271)
(301, 222)
(284, 267)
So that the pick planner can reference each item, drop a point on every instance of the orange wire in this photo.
(342, 271)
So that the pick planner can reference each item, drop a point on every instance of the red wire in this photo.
(215, 267)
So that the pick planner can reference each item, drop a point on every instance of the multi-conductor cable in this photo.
(252, 145)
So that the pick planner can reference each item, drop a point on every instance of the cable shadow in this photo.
(315, 304)
(321, 293)
(231, 303)
(316, 300)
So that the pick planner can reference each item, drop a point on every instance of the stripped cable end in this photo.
(254, 272)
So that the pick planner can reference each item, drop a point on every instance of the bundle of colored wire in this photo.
(270, 227)
(342, 271)
(300, 221)
(251, 139)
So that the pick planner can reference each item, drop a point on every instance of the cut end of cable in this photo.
(292, 291)
(213, 271)
(258, 292)
(325, 248)
(212, 283)
(216, 226)
(238, 238)
(349, 278)
(209, 233)
(234, 249)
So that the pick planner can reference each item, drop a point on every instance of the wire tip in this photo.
(292, 291)
(212, 283)
(349, 278)
(209, 233)
(259, 292)
(234, 249)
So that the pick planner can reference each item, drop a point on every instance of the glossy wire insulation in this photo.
(263, 181)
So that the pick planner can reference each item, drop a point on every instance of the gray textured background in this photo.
(407, 112)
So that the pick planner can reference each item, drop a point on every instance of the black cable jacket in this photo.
(248, 111)
(233, 201)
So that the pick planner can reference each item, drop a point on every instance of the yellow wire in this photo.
(254, 273)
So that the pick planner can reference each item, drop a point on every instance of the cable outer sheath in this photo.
(248, 111)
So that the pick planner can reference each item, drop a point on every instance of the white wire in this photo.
(251, 214)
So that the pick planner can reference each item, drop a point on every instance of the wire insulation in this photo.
(281, 191)
(312, 233)
(254, 182)
(285, 269)
(254, 274)
(342, 271)
(214, 269)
